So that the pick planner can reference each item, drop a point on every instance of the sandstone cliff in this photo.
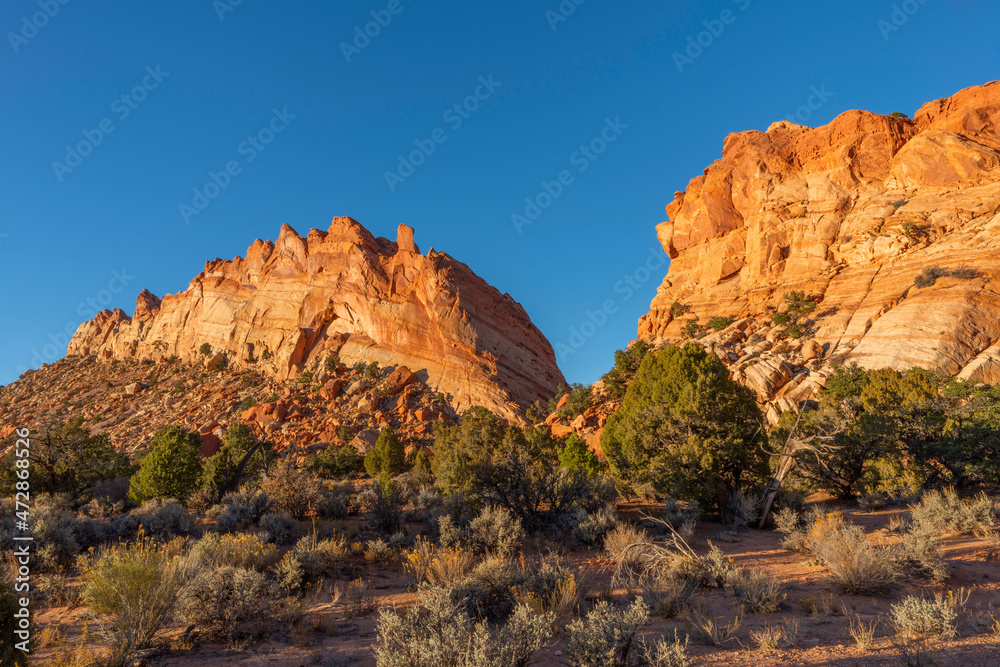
(287, 305)
(851, 214)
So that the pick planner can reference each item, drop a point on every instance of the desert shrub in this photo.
(742, 509)
(922, 550)
(205, 349)
(240, 550)
(440, 632)
(165, 519)
(855, 565)
(299, 493)
(708, 630)
(618, 541)
(552, 590)
(55, 538)
(687, 429)
(134, 588)
(170, 470)
(606, 637)
(757, 591)
(383, 503)
(928, 617)
(387, 458)
(579, 398)
(440, 566)
(279, 528)
(792, 527)
(488, 589)
(719, 323)
(242, 509)
(311, 561)
(943, 511)
(12, 634)
(496, 531)
(718, 566)
(575, 456)
(677, 513)
(379, 551)
(590, 528)
(232, 603)
(666, 654)
(668, 596)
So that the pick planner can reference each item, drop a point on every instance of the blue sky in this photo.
(200, 78)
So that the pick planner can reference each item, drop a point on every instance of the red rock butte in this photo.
(290, 304)
(849, 213)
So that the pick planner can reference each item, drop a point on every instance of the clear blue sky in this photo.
(220, 80)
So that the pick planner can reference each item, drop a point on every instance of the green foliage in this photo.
(170, 470)
(222, 472)
(372, 371)
(578, 400)
(490, 461)
(574, 455)
(797, 307)
(677, 309)
(899, 114)
(719, 323)
(691, 328)
(626, 365)
(336, 462)
(686, 429)
(68, 459)
(387, 458)
(930, 275)
(205, 349)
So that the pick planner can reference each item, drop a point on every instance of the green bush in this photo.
(387, 458)
(686, 429)
(575, 456)
(205, 349)
(335, 462)
(606, 637)
(170, 470)
(237, 460)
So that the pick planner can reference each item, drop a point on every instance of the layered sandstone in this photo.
(850, 213)
(287, 305)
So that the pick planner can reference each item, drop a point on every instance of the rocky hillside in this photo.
(889, 227)
(287, 306)
(130, 400)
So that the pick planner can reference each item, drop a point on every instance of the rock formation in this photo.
(288, 305)
(850, 214)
